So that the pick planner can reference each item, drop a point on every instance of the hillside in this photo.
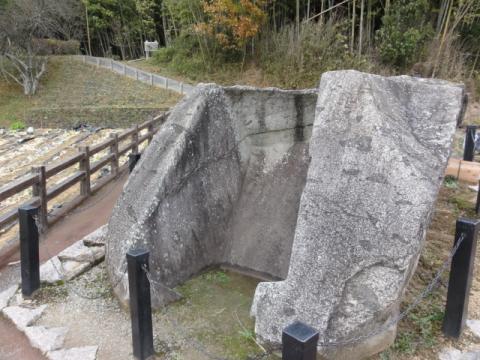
(72, 93)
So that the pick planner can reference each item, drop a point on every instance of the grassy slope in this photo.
(226, 75)
(70, 84)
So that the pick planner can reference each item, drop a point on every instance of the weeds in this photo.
(450, 182)
(17, 126)
(216, 277)
(428, 324)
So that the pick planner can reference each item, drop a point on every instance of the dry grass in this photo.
(70, 84)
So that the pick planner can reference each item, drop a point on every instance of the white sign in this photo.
(149, 47)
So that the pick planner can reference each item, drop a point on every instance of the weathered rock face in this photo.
(225, 182)
(220, 184)
(379, 148)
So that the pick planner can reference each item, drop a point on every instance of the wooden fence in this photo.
(38, 179)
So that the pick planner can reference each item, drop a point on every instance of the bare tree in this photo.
(21, 22)
(65, 18)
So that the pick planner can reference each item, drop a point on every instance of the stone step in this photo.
(46, 339)
(23, 316)
(78, 353)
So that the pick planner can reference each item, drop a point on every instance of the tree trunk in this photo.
(88, 32)
(352, 38)
(297, 18)
(164, 25)
(360, 37)
(30, 85)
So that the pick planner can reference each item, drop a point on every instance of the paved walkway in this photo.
(92, 214)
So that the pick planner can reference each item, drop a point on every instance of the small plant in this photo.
(427, 323)
(404, 343)
(385, 355)
(17, 126)
(217, 277)
(247, 334)
(450, 182)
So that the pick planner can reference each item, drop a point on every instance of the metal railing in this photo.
(137, 74)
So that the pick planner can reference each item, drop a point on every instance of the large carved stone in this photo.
(220, 184)
(225, 182)
(379, 148)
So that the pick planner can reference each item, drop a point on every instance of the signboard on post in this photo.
(149, 47)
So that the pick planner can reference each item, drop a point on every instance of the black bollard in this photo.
(469, 150)
(299, 342)
(132, 160)
(29, 253)
(477, 205)
(140, 304)
(461, 272)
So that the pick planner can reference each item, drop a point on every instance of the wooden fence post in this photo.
(135, 140)
(40, 190)
(150, 132)
(166, 83)
(85, 185)
(151, 79)
(114, 151)
(124, 70)
(136, 74)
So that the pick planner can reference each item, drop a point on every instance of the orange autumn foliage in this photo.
(232, 22)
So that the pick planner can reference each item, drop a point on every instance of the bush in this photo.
(296, 62)
(57, 47)
(184, 57)
(405, 31)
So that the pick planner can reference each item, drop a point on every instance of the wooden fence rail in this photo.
(38, 179)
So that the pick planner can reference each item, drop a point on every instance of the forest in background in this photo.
(291, 42)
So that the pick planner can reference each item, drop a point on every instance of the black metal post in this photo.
(132, 160)
(299, 342)
(461, 272)
(29, 253)
(140, 304)
(469, 150)
(477, 205)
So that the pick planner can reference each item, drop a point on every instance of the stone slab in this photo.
(50, 271)
(474, 326)
(79, 252)
(96, 238)
(379, 149)
(46, 339)
(54, 270)
(23, 316)
(6, 295)
(455, 354)
(78, 353)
